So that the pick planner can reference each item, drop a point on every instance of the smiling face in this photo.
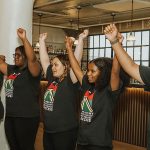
(93, 73)
(19, 59)
(58, 68)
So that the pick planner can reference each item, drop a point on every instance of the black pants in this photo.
(60, 141)
(21, 132)
(92, 147)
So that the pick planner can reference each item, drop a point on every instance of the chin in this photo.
(91, 81)
(55, 75)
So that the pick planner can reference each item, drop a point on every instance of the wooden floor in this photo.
(117, 145)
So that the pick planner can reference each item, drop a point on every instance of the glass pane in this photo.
(124, 41)
(145, 52)
(102, 40)
(136, 53)
(107, 43)
(108, 52)
(96, 52)
(130, 52)
(145, 38)
(90, 58)
(137, 38)
(96, 41)
(144, 63)
(90, 53)
(129, 43)
(137, 62)
(101, 53)
(90, 41)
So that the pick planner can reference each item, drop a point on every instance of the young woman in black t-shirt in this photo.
(138, 72)
(100, 87)
(60, 116)
(21, 88)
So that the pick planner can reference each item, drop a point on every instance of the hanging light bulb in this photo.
(37, 45)
(76, 42)
(130, 36)
(40, 16)
(78, 23)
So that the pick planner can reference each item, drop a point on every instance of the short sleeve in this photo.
(145, 74)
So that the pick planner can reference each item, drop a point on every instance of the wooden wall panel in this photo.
(131, 116)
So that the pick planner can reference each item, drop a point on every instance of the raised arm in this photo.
(124, 59)
(79, 52)
(43, 52)
(73, 61)
(115, 79)
(33, 64)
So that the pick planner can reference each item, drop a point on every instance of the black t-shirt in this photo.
(60, 104)
(96, 115)
(21, 90)
(145, 74)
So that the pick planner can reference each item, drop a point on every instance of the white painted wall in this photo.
(14, 14)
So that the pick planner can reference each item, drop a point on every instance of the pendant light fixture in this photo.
(130, 36)
(78, 23)
(113, 16)
(40, 17)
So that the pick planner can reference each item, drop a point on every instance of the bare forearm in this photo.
(29, 51)
(79, 51)
(44, 58)
(115, 79)
(115, 66)
(75, 65)
(126, 62)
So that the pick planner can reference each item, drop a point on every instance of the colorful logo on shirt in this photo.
(86, 107)
(49, 96)
(9, 84)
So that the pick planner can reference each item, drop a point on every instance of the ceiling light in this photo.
(130, 36)
(40, 17)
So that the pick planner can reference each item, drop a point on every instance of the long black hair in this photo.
(104, 65)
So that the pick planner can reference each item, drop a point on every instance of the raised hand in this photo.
(84, 34)
(43, 37)
(69, 43)
(120, 37)
(21, 33)
(111, 32)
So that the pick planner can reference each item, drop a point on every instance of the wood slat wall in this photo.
(131, 117)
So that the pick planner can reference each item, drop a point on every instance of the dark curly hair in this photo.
(104, 65)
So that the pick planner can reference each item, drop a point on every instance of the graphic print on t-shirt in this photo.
(9, 84)
(49, 96)
(86, 107)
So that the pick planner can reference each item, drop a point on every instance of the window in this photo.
(99, 46)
